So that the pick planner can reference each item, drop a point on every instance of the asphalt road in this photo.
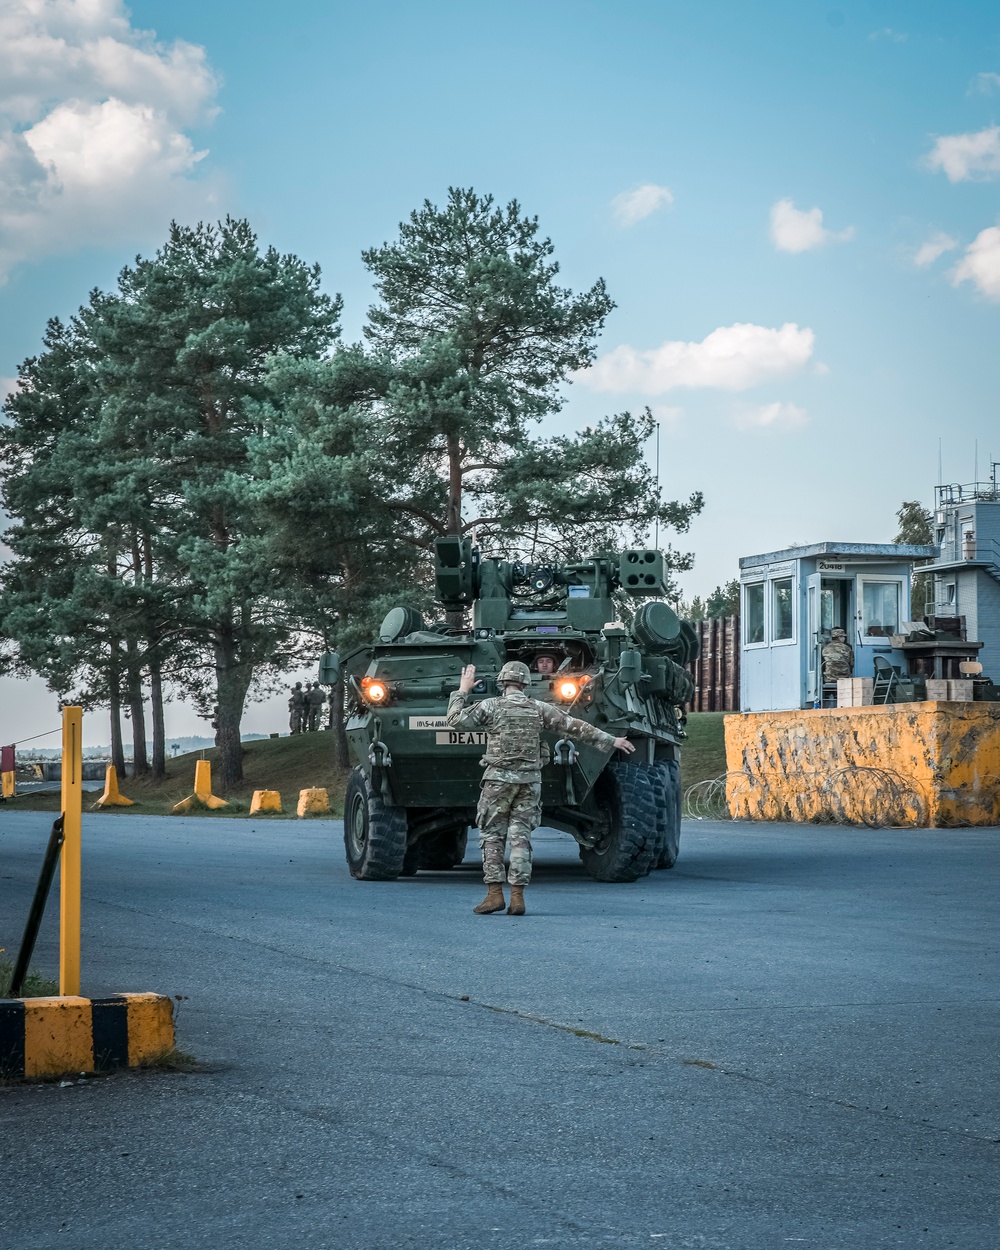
(788, 1040)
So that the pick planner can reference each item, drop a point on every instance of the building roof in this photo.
(894, 552)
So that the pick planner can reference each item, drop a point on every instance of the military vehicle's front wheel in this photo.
(374, 832)
(628, 843)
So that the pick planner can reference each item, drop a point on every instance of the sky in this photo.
(794, 205)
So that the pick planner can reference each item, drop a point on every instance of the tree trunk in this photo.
(337, 724)
(140, 762)
(115, 700)
(159, 761)
(155, 672)
(232, 681)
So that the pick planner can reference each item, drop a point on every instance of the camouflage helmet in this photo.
(514, 671)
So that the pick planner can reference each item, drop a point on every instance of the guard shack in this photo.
(791, 600)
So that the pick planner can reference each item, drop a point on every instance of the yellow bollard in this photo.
(315, 802)
(69, 872)
(111, 796)
(265, 801)
(8, 786)
(203, 795)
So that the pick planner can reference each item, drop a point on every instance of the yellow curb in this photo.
(42, 1037)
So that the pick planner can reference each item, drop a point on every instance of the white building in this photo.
(792, 599)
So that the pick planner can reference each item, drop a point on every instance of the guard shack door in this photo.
(814, 644)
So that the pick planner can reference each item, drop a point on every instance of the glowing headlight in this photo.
(567, 689)
(374, 691)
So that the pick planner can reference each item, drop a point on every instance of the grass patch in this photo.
(35, 985)
(171, 1061)
(703, 755)
(288, 764)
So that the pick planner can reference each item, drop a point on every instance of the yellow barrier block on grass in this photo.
(8, 786)
(111, 796)
(203, 796)
(265, 801)
(315, 802)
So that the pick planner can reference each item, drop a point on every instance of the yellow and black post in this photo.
(69, 876)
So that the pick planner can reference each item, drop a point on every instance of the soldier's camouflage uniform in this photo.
(838, 660)
(510, 803)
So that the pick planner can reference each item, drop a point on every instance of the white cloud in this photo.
(93, 115)
(980, 264)
(776, 416)
(731, 358)
(966, 158)
(633, 206)
(985, 83)
(7, 386)
(793, 230)
(894, 36)
(929, 251)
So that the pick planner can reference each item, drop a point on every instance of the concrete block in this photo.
(265, 801)
(927, 764)
(313, 802)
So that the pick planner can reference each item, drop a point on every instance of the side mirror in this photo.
(630, 667)
(329, 669)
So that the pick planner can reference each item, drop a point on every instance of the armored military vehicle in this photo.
(412, 795)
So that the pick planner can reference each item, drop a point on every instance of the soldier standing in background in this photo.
(296, 708)
(510, 803)
(315, 698)
(838, 658)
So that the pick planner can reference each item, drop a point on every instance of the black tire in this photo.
(374, 832)
(667, 783)
(627, 849)
(443, 850)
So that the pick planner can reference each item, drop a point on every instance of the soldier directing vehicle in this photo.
(510, 804)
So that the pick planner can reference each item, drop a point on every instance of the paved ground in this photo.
(789, 1040)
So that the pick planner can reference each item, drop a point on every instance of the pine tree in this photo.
(475, 341)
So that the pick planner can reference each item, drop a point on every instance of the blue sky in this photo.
(792, 205)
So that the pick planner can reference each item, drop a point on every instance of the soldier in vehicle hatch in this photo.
(510, 803)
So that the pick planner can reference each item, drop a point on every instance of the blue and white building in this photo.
(791, 600)
(967, 565)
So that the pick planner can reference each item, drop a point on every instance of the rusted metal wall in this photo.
(716, 671)
(918, 764)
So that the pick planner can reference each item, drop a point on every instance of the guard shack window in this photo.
(879, 609)
(781, 610)
(753, 613)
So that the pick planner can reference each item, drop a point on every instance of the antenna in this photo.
(656, 530)
(975, 464)
(940, 470)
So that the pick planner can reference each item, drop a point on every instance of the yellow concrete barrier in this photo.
(912, 764)
(112, 797)
(313, 802)
(42, 1037)
(265, 801)
(203, 796)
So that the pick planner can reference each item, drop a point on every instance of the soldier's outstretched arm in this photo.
(554, 718)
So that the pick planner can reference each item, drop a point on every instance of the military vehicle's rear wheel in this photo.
(667, 784)
(374, 832)
(628, 845)
(443, 850)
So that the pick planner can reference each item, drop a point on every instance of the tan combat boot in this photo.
(516, 907)
(494, 900)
